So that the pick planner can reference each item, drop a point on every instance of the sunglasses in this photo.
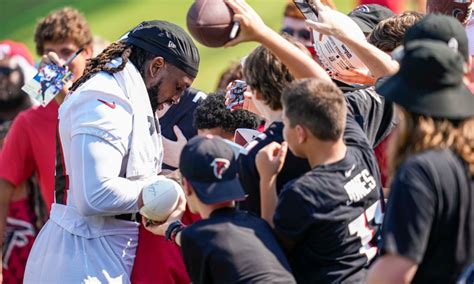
(7, 70)
(303, 33)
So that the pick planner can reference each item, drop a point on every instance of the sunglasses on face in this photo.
(7, 70)
(302, 33)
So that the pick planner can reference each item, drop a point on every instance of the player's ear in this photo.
(301, 134)
(156, 65)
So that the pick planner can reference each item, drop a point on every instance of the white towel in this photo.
(146, 150)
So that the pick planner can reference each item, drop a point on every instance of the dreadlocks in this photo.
(117, 49)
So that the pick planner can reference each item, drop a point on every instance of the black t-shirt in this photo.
(233, 246)
(376, 116)
(181, 115)
(250, 179)
(332, 214)
(430, 216)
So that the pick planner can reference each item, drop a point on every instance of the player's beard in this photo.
(153, 92)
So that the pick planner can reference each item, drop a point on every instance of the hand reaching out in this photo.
(53, 58)
(329, 21)
(172, 149)
(252, 27)
(159, 228)
(270, 160)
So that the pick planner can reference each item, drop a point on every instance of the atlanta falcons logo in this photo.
(220, 166)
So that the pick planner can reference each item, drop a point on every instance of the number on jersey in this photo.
(360, 227)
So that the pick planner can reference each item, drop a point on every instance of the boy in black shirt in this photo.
(228, 245)
(267, 76)
(326, 219)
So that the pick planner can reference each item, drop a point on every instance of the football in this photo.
(460, 9)
(160, 198)
(210, 22)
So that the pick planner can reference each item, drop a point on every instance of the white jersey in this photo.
(83, 242)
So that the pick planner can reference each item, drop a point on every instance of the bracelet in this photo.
(171, 228)
(175, 232)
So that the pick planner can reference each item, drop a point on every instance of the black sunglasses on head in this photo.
(302, 33)
(5, 70)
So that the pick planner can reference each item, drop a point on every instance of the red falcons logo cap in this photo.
(209, 164)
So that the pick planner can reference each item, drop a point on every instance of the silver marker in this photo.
(235, 30)
(70, 59)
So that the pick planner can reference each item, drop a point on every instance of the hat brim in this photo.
(453, 102)
(366, 28)
(219, 192)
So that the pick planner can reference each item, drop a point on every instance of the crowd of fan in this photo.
(349, 178)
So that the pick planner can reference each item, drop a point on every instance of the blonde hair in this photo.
(420, 133)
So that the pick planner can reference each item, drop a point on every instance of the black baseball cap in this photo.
(440, 27)
(209, 164)
(369, 15)
(430, 81)
(168, 40)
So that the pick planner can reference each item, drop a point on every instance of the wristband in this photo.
(175, 232)
(171, 228)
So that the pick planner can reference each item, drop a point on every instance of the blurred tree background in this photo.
(110, 19)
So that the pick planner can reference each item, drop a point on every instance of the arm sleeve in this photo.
(374, 115)
(410, 213)
(95, 169)
(250, 181)
(292, 217)
(16, 163)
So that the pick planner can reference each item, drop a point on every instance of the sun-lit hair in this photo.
(265, 73)
(389, 33)
(317, 105)
(62, 25)
(420, 133)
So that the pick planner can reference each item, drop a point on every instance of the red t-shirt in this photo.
(397, 6)
(159, 261)
(30, 147)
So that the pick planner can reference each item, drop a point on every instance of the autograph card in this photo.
(47, 83)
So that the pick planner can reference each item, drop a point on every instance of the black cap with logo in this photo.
(168, 40)
(430, 81)
(209, 164)
(369, 15)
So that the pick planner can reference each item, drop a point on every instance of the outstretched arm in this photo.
(378, 62)
(252, 28)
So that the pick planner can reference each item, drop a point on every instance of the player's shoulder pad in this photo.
(99, 108)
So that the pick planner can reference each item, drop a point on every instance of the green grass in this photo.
(111, 18)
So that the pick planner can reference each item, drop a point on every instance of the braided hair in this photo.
(125, 51)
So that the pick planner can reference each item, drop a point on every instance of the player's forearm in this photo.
(299, 63)
(378, 62)
(268, 199)
(95, 178)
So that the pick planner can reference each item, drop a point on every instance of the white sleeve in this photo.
(97, 187)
